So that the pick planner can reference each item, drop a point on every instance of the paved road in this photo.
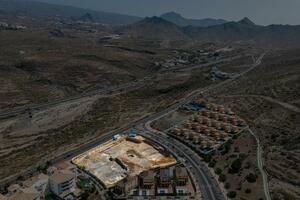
(182, 68)
(107, 136)
(260, 163)
(172, 108)
(108, 90)
(205, 182)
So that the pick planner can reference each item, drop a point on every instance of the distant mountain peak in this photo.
(155, 20)
(247, 21)
(171, 14)
(155, 28)
(179, 20)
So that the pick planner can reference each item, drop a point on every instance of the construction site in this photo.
(123, 157)
(208, 127)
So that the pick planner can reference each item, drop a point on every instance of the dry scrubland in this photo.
(276, 124)
(234, 164)
(94, 117)
(36, 67)
(42, 65)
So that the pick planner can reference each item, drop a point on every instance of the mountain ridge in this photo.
(41, 9)
(245, 31)
(179, 20)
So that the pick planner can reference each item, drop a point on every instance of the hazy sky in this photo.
(260, 11)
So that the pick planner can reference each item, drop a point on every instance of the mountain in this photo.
(181, 21)
(39, 9)
(282, 36)
(154, 28)
(247, 21)
(243, 31)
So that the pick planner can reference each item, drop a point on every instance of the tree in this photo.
(84, 196)
(222, 178)
(227, 185)
(251, 178)
(236, 166)
(218, 171)
(212, 163)
(227, 147)
(231, 194)
(207, 158)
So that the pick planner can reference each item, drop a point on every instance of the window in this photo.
(161, 192)
(144, 192)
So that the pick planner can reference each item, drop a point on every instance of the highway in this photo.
(40, 106)
(228, 59)
(108, 90)
(208, 184)
(205, 182)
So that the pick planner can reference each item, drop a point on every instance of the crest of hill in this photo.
(154, 28)
(177, 19)
(247, 21)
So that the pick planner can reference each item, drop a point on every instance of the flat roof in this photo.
(136, 157)
(62, 176)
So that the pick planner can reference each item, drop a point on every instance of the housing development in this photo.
(97, 104)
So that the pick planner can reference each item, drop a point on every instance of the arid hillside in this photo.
(268, 98)
(39, 67)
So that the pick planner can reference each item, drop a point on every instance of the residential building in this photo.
(62, 183)
(181, 175)
(147, 184)
(165, 186)
(66, 166)
(183, 184)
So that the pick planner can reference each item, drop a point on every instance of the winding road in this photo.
(260, 163)
(205, 181)
(206, 185)
(108, 90)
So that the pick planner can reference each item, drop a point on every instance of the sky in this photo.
(262, 12)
